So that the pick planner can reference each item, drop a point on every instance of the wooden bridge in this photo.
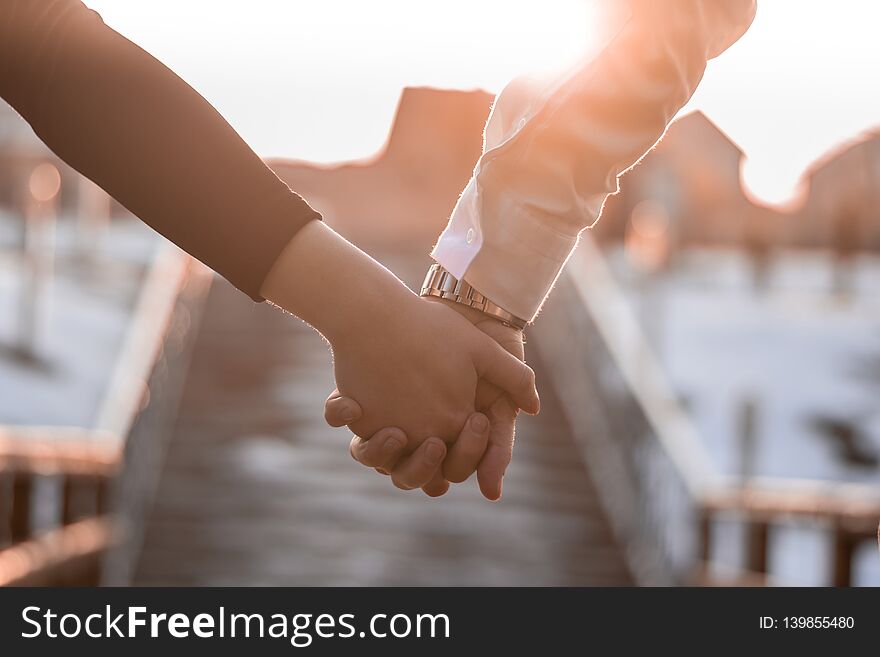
(236, 479)
(231, 477)
(258, 490)
(209, 462)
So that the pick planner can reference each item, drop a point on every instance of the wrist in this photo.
(473, 315)
(332, 285)
(440, 282)
(509, 337)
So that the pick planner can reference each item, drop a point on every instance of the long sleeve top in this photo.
(124, 120)
(553, 153)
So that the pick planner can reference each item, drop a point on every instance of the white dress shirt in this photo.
(552, 154)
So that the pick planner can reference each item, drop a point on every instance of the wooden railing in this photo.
(80, 469)
(85, 479)
(848, 512)
(661, 491)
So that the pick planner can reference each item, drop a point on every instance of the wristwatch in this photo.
(440, 283)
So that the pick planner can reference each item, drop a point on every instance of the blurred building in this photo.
(694, 173)
(405, 193)
(842, 208)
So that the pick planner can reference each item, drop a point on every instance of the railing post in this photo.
(5, 508)
(22, 493)
(68, 500)
(844, 547)
(40, 210)
(705, 536)
(758, 535)
(102, 496)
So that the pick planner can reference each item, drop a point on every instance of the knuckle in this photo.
(330, 415)
(528, 376)
(393, 432)
(354, 448)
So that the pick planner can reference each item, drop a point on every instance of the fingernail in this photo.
(392, 445)
(433, 453)
(479, 423)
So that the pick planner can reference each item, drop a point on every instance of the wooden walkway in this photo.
(258, 491)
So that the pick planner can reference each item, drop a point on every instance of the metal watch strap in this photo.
(440, 283)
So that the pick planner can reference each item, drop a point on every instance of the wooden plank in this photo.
(705, 575)
(51, 453)
(856, 507)
(69, 555)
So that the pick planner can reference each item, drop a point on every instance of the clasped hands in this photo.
(454, 416)
(430, 388)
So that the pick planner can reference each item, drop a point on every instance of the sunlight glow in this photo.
(765, 183)
(321, 80)
(45, 182)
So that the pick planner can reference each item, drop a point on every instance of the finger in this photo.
(339, 410)
(437, 486)
(465, 454)
(381, 450)
(490, 471)
(419, 468)
(508, 373)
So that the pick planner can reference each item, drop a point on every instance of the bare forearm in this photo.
(332, 285)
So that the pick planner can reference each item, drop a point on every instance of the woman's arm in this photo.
(121, 118)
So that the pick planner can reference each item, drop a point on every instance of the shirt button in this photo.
(469, 237)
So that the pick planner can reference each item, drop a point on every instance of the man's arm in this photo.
(550, 163)
(551, 159)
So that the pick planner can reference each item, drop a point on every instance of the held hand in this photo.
(410, 363)
(499, 409)
(497, 406)
(419, 370)
(489, 445)
(386, 450)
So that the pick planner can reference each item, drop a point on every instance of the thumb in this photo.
(339, 410)
(509, 373)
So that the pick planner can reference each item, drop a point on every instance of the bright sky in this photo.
(319, 80)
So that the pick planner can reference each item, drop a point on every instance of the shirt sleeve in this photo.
(121, 118)
(552, 155)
